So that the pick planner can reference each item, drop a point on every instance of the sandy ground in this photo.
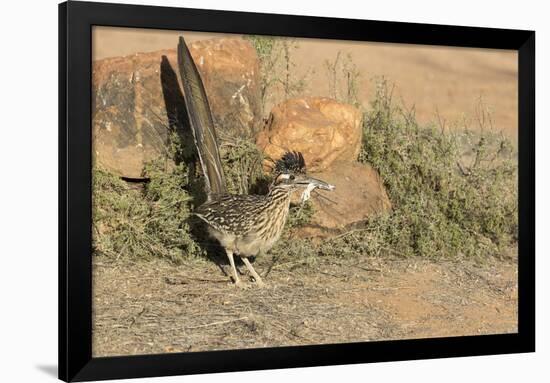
(156, 307)
(436, 80)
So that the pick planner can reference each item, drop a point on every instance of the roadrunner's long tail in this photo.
(202, 124)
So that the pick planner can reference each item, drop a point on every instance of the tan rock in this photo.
(322, 129)
(359, 195)
(230, 72)
(136, 100)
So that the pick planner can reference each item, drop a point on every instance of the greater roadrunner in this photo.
(245, 225)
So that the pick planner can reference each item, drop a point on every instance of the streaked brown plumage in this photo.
(247, 225)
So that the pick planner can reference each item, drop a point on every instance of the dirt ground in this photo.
(157, 307)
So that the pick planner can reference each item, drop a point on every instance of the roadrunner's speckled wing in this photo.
(234, 214)
(202, 124)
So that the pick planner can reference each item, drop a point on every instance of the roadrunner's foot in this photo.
(241, 285)
(236, 278)
(257, 278)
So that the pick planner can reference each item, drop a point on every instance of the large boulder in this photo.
(137, 101)
(323, 129)
(359, 194)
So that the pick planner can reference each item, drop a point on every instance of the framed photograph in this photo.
(244, 191)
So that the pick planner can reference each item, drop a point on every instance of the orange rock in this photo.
(136, 100)
(230, 72)
(359, 194)
(322, 129)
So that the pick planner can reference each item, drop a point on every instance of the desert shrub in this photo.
(300, 214)
(453, 192)
(278, 78)
(343, 79)
(242, 165)
(143, 221)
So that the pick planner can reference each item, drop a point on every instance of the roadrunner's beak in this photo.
(311, 184)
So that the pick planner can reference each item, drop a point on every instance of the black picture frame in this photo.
(75, 219)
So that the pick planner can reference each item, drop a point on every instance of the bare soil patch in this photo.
(158, 307)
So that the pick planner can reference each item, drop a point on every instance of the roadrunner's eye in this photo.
(291, 177)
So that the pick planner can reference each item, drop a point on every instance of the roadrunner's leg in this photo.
(233, 268)
(253, 272)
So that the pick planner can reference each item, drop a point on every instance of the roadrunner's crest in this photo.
(292, 162)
